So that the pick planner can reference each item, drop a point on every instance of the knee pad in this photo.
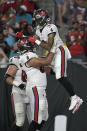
(43, 110)
(20, 114)
(43, 104)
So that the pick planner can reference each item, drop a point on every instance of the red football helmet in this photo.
(41, 17)
(24, 45)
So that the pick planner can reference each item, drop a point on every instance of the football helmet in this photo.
(40, 17)
(23, 45)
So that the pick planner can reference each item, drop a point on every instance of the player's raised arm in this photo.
(44, 44)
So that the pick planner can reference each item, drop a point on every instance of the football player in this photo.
(36, 84)
(46, 36)
(17, 78)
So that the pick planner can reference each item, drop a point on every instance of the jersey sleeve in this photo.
(51, 28)
(26, 57)
(14, 61)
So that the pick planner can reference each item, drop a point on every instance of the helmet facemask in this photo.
(41, 18)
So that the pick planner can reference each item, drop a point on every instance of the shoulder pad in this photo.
(14, 60)
(27, 56)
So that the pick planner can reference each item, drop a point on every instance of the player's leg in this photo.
(61, 75)
(31, 111)
(19, 111)
(76, 101)
(38, 108)
(33, 126)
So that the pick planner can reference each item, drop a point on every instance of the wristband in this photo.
(53, 49)
(37, 42)
(16, 83)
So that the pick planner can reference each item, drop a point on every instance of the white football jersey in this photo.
(59, 62)
(48, 29)
(19, 76)
(34, 75)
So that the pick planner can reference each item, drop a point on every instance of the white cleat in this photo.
(76, 102)
(77, 106)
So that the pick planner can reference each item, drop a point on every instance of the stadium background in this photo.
(57, 96)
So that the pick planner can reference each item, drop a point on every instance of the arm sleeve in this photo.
(51, 29)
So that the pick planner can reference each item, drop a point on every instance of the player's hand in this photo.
(32, 39)
(19, 34)
(22, 86)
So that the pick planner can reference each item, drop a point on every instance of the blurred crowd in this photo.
(72, 14)
(77, 36)
(16, 15)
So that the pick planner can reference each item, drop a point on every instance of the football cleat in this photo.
(76, 102)
(77, 106)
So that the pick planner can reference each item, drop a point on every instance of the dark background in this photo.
(58, 100)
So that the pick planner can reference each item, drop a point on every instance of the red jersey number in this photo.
(24, 76)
